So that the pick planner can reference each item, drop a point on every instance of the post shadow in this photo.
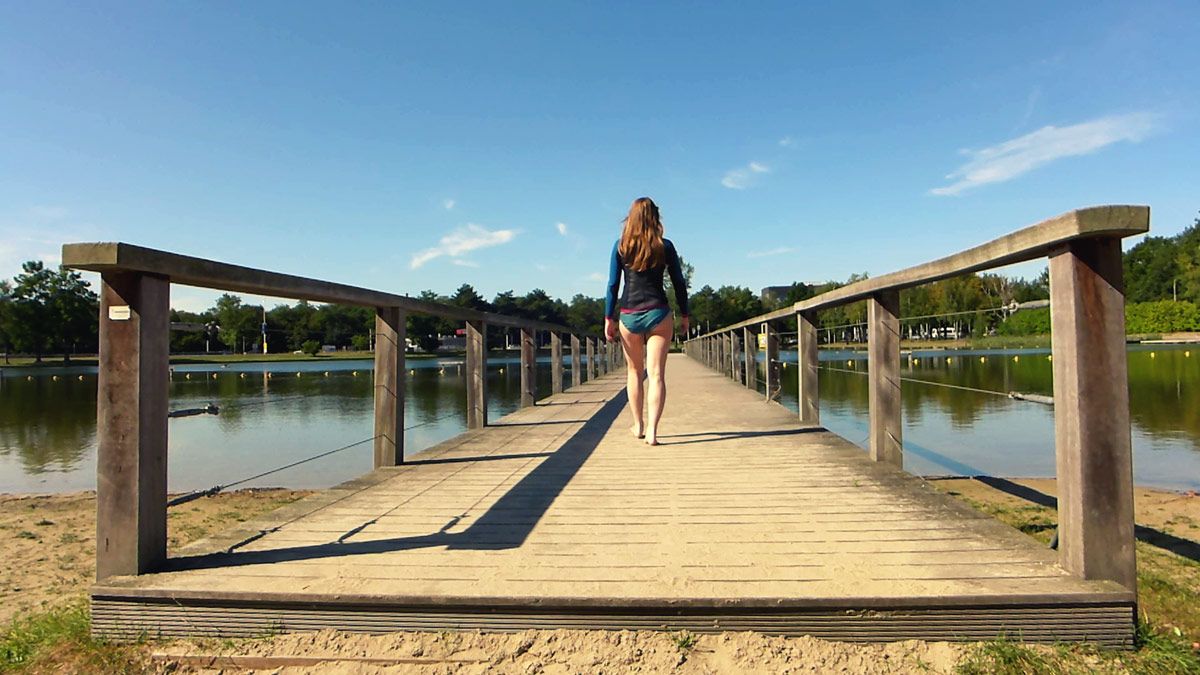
(506, 524)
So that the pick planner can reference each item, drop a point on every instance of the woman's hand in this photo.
(684, 323)
(610, 329)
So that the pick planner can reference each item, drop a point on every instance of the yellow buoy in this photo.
(354, 373)
(269, 375)
(81, 378)
(1151, 354)
(187, 376)
(949, 359)
(243, 376)
(1187, 353)
(54, 377)
(297, 373)
(214, 376)
(327, 373)
(1016, 358)
(1049, 357)
(983, 359)
(850, 363)
(29, 378)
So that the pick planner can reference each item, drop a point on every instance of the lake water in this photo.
(271, 416)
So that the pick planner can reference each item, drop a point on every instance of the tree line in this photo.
(44, 311)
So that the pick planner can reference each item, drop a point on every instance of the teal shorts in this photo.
(644, 321)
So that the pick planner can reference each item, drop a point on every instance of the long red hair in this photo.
(641, 245)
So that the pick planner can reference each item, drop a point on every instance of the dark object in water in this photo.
(209, 409)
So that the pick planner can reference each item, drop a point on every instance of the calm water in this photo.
(270, 416)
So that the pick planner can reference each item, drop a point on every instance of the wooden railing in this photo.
(131, 486)
(1091, 396)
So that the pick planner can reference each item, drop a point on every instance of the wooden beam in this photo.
(1034, 241)
(735, 366)
(389, 386)
(528, 368)
(131, 424)
(556, 362)
(591, 359)
(182, 269)
(883, 366)
(771, 364)
(1091, 412)
(576, 362)
(808, 397)
(476, 367)
(751, 357)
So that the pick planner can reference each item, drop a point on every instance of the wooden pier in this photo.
(743, 519)
(748, 517)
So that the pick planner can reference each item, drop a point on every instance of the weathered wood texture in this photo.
(528, 368)
(883, 365)
(750, 337)
(556, 362)
(555, 516)
(576, 362)
(182, 269)
(771, 369)
(592, 371)
(389, 386)
(131, 463)
(1091, 412)
(476, 373)
(807, 368)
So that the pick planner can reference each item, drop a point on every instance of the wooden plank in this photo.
(1091, 412)
(556, 362)
(528, 368)
(389, 386)
(809, 398)
(883, 367)
(476, 374)
(191, 271)
(131, 465)
(1032, 242)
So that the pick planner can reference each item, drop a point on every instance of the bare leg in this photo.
(635, 364)
(657, 346)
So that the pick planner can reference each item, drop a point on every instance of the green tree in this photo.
(238, 322)
(49, 309)
(1188, 261)
(5, 318)
(424, 329)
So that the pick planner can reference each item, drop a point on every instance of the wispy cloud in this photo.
(596, 276)
(775, 251)
(1012, 158)
(448, 204)
(743, 177)
(562, 228)
(787, 142)
(465, 239)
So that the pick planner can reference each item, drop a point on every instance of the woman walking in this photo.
(646, 326)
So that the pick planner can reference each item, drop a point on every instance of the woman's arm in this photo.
(610, 297)
(678, 282)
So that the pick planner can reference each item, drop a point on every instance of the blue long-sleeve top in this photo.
(644, 290)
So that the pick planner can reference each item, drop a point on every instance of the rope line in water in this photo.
(939, 384)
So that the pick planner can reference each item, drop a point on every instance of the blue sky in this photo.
(402, 146)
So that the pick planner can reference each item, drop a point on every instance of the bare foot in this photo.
(652, 439)
(637, 432)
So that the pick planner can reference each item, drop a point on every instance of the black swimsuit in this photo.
(644, 301)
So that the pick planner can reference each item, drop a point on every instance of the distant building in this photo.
(772, 295)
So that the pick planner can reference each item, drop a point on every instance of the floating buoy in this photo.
(850, 363)
(269, 375)
(412, 371)
(327, 373)
(29, 378)
(187, 376)
(297, 373)
(354, 373)
(1049, 357)
(1016, 358)
(243, 376)
(983, 359)
(54, 377)
(214, 376)
(1187, 353)
(1151, 354)
(949, 359)
(81, 378)
(444, 370)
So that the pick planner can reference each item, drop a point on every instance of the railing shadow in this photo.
(505, 525)
(715, 436)
(1149, 535)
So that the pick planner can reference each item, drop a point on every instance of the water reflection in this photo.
(271, 416)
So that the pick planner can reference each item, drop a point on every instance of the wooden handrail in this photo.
(1093, 448)
(191, 271)
(1035, 241)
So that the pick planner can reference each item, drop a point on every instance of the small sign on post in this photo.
(119, 313)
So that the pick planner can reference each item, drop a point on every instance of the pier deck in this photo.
(556, 517)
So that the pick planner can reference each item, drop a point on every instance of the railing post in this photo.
(576, 362)
(750, 355)
(808, 396)
(591, 358)
(735, 363)
(883, 366)
(131, 492)
(556, 362)
(771, 367)
(476, 375)
(1091, 412)
(528, 367)
(389, 386)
